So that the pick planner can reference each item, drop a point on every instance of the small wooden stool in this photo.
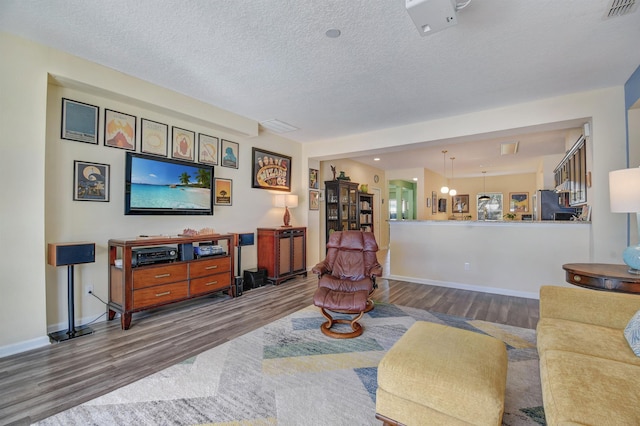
(441, 375)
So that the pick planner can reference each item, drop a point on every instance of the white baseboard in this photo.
(27, 345)
(492, 290)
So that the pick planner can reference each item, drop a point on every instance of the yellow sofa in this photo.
(589, 374)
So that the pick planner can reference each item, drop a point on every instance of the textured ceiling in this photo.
(266, 59)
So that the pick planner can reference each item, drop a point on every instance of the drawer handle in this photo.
(163, 275)
(211, 267)
(163, 294)
(577, 278)
(212, 283)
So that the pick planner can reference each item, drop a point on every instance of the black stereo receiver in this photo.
(150, 255)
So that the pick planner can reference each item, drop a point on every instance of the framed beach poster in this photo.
(182, 141)
(270, 170)
(153, 137)
(223, 192)
(229, 154)
(207, 149)
(90, 181)
(79, 122)
(119, 130)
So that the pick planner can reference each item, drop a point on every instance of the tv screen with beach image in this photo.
(167, 186)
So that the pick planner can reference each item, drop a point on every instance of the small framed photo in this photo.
(460, 203)
(207, 149)
(79, 121)
(223, 192)
(153, 137)
(270, 170)
(90, 181)
(182, 144)
(314, 199)
(313, 179)
(518, 202)
(229, 154)
(119, 130)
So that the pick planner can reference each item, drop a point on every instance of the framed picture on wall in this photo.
(223, 190)
(79, 122)
(119, 130)
(182, 141)
(207, 149)
(434, 202)
(313, 179)
(90, 181)
(314, 200)
(460, 203)
(229, 152)
(270, 170)
(153, 137)
(518, 202)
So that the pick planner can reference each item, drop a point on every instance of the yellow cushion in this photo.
(454, 372)
(570, 336)
(586, 390)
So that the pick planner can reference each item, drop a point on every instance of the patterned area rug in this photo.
(289, 373)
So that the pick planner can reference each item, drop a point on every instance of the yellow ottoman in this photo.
(441, 375)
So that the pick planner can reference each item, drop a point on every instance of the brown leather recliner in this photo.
(346, 278)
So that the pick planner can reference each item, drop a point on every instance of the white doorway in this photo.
(377, 209)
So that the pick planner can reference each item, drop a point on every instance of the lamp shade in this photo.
(624, 190)
(285, 200)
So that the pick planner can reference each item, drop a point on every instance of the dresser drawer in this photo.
(210, 283)
(148, 276)
(201, 268)
(160, 294)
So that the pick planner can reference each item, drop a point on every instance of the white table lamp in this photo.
(624, 193)
(287, 201)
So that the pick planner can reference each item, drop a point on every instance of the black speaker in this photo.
(61, 254)
(239, 286)
(245, 239)
(254, 278)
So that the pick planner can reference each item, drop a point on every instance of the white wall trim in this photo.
(26, 345)
(460, 286)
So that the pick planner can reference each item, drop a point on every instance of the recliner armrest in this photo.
(320, 269)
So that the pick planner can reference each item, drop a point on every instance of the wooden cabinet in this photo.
(365, 211)
(341, 206)
(571, 175)
(136, 288)
(282, 252)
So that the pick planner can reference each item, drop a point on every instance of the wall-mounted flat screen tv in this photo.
(163, 186)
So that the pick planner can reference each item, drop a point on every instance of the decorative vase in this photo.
(364, 188)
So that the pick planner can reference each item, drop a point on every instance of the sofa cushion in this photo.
(632, 333)
(594, 340)
(586, 390)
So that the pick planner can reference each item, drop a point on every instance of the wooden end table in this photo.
(602, 276)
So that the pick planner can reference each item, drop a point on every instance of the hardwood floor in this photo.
(42, 382)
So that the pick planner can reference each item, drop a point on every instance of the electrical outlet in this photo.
(467, 266)
(88, 289)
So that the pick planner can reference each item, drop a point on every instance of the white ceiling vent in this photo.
(278, 126)
(621, 7)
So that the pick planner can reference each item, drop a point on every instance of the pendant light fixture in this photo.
(445, 188)
(484, 195)
(452, 191)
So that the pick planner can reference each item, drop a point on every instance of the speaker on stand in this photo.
(70, 254)
(239, 241)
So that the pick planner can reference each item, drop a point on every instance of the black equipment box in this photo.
(254, 278)
(150, 255)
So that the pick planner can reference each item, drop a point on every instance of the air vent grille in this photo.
(621, 7)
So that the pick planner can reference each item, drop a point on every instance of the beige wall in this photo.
(36, 168)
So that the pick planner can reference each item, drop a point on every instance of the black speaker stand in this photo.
(72, 331)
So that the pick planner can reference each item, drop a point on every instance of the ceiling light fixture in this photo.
(508, 148)
(445, 188)
(452, 191)
(376, 159)
(484, 195)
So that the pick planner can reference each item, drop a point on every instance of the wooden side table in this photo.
(602, 276)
